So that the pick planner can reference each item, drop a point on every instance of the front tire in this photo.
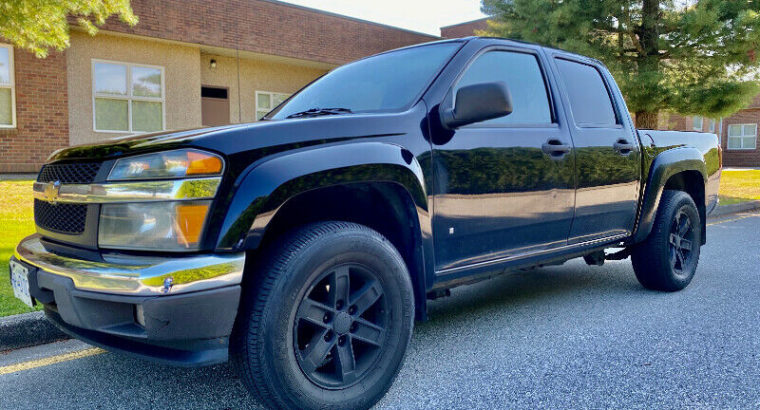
(327, 321)
(668, 258)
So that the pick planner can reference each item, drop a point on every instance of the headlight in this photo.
(169, 226)
(168, 164)
(171, 221)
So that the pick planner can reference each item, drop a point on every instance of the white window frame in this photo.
(271, 105)
(712, 125)
(11, 86)
(128, 97)
(741, 137)
(701, 123)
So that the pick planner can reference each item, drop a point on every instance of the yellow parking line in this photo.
(732, 220)
(50, 360)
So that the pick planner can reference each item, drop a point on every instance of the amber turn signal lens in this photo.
(200, 163)
(190, 219)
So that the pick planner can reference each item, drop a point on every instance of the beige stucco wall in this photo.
(256, 74)
(181, 74)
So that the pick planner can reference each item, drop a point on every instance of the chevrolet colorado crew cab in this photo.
(303, 247)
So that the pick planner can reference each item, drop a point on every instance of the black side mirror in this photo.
(478, 102)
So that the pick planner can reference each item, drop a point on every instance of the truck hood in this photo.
(242, 144)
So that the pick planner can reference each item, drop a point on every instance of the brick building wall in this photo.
(42, 115)
(741, 158)
(674, 122)
(267, 27)
(464, 29)
(258, 26)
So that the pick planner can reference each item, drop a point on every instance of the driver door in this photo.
(503, 188)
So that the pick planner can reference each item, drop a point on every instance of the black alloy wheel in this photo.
(667, 259)
(681, 241)
(340, 325)
(325, 318)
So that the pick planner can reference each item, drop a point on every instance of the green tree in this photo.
(41, 25)
(686, 56)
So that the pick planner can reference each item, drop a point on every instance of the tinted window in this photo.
(385, 82)
(522, 75)
(589, 99)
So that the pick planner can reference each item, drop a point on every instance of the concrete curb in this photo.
(17, 177)
(27, 329)
(734, 208)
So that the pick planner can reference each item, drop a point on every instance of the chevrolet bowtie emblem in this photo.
(52, 190)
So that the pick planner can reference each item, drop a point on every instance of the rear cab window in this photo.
(590, 100)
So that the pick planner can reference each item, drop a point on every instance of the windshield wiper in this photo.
(313, 112)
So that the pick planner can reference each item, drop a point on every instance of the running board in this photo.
(597, 258)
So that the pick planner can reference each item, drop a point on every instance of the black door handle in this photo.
(555, 148)
(623, 146)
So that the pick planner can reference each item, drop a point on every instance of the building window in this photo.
(742, 136)
(711, 126)
(7, 88)
(267, 101)
(127, 97)
(697, 123)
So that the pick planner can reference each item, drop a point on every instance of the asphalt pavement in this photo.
(570, 336)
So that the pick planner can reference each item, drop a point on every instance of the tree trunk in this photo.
(648, 59)
(647, 120)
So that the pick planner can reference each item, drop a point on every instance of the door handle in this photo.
(555, 148)
(623, 147)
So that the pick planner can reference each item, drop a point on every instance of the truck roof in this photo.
(501, 39)
(549, 48)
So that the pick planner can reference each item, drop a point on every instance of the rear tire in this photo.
(326, 321)
(668, 258)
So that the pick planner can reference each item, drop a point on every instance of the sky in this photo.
(425, 16)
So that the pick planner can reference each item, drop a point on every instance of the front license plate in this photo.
(20, 283)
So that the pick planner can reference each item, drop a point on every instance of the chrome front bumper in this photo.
(122, 274)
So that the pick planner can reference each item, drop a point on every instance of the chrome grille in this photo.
(62, 218)
(74, 173)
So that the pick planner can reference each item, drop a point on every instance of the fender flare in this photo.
(664, 166)
(267, 185)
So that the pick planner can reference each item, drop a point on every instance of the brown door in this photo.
(215, 106)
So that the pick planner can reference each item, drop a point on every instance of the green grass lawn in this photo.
(16, 222)
(739, 186)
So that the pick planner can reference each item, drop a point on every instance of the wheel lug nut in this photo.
(328, 336)
(353, 327)
(342, 340)
(339, 304)
(326, 318)
(352, 310)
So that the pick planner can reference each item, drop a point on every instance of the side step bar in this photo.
(597, 258)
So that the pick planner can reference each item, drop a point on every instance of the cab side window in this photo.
(522, 74)
(590, 100)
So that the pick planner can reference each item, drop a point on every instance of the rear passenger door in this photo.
(607, 154)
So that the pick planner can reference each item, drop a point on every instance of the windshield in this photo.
(385, 82)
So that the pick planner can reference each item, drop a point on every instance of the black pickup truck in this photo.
(304, 246)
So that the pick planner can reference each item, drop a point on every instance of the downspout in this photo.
(240, 105)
